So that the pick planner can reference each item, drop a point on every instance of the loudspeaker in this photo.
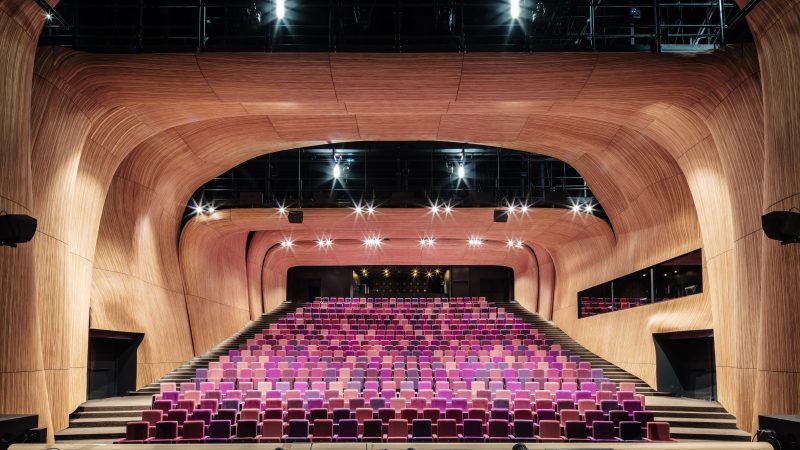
(782, 226)
(16, 429)
(500, 215)
(295, 216)
(786, 429)
(16, 229)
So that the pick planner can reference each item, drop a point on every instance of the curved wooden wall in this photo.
(682, 151)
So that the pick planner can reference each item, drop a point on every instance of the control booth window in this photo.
(668, 280)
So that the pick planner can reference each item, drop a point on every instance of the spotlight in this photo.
(358, 209)
(48, 16)
(337, 171)
(372, 241)
(325, 243)
(588, 208)
(210, 209)
(428, 274)
(364, 272)
(511, 208)
(437, 270)
(461, 171)
(515, 9)
(371, 209)
(281, 209)
(198, 209)
(280, 8)
(435, 208)
(514, 243)
(386, 273)
(287, 243)
(426, 242)
(474, 242)
(414, 273)
(524, 208)
(448, 209)
(576, 207)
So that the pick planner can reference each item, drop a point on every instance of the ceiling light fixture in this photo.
(461, 171)
(337, 171)
(474, 242)
(514, 243)
(287, 243)
(426, 242)
(373, 241)
(325, 243)
(515, 9)
(280, 8)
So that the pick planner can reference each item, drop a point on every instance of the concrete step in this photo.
(103, 422)
(705, 434)
(90, 433)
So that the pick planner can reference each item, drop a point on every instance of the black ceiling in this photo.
(390, 25)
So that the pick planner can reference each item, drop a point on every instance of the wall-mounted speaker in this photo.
(782, 226)
(17, 429)
(16, 229)
(784, 429)
(295, 216)
(500, 215)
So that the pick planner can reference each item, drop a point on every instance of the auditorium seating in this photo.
(398, 370)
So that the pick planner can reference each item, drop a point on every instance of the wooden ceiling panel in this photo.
(329, 128)
(399, 127)
(519, 77)
(268, 77)
(480, 128)
(388, 77)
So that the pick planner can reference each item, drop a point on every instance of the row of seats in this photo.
(396, 430)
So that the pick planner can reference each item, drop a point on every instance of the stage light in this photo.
(337, 171)
(588, 208)
(461, 171)
(524, 208)
(386, 273)
(364, 273)
(48, 16)
(428, 274)
(287, 243)
(576, 207)
(437, 270)
(435, 208)
(372, 241)
(448, 209)
(280, 8)
(474, 242)
(414, 273)
(426, 242)
(371, 209)
(358, 209)
(198, 209)
(281, 210)
(515, 9)
(325, 243)
(511, 208)
(210, 209)
(514, 243)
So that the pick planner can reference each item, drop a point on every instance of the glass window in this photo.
(675, 278)
(679, 277)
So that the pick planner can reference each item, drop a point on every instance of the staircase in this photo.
(689, 419)
(102, 421)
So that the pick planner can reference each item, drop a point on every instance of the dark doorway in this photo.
(685, 364)
(112, 363)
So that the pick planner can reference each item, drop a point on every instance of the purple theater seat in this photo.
(219, 432)
(603, 431)
(498, 431)
(135, 433)
(166, 433)
(246, 431)
(630, 431)
(523, 431)
(271, 431)
(347, 431)
(194, 432)
(297, 432)
(473, 431)
(447, 431)
(576, 431)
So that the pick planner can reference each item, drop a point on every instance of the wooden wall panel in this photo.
(641, 128)
(23, 384)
